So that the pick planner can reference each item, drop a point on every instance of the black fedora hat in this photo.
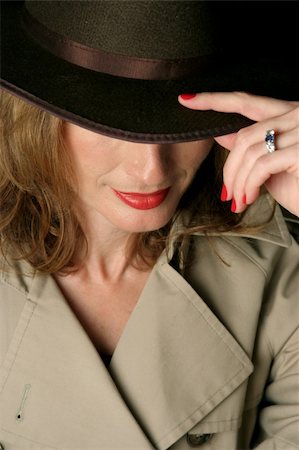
(117, 67)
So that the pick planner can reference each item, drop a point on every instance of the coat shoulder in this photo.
(256, 272)
(262, 253)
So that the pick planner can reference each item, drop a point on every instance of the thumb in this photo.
(227, 141)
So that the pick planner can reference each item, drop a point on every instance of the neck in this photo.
(106, 257)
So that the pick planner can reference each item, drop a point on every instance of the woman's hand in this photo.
(249, 165)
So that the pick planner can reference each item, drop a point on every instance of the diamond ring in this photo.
(270, 141)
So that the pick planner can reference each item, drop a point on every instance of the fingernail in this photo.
(187, 96)
(244, 199)
(233, 206)
(223, 195)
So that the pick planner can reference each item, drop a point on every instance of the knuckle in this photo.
(252, 153)
(292, 116)
(242, 138)
(242, 94)
(244, 99)
(226, 172)
(261, 165)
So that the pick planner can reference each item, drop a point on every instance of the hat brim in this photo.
(123, 108)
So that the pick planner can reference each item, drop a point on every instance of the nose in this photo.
(150, 164)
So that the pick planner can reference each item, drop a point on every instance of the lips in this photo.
(143, 200)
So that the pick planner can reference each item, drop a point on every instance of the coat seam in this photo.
(29, 440)
(282, 439)
(22, 291)
(239, 248)
(276, 355)
(200, 407)
(203, 316)
(16, 351)
(235, 419)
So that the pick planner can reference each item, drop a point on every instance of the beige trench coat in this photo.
(208, 360)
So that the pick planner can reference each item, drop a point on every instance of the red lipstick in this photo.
(143, 201)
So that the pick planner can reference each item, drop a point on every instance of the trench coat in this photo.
(207, 360)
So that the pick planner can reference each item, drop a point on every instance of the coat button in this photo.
(195, 440)
(2, 446)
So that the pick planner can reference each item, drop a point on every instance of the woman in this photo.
(143, 305)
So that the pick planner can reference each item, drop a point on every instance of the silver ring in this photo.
(270, 141)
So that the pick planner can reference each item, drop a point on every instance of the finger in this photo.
(252, 106)
(268, 169)
(249, 137)
(251, 155)
(288, 193)
(227, 141)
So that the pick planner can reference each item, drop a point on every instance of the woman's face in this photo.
(134, 187)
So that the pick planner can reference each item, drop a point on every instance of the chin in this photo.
(143, 228)
(148, 223)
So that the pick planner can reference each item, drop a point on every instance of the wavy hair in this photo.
(37, 221)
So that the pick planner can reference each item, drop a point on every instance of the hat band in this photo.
(110, 63)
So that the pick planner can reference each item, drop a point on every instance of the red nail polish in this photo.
(244, 199)
(223, 195)
(234, 206)
(187, 96)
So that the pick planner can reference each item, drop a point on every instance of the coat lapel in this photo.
(175, 361)
(56, 391)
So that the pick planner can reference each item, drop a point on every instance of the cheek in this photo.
(89, 163)
(84, 150)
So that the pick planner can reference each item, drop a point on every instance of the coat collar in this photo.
(274, 231)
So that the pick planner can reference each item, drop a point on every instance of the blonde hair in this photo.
(37, 222)
(35, 213)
